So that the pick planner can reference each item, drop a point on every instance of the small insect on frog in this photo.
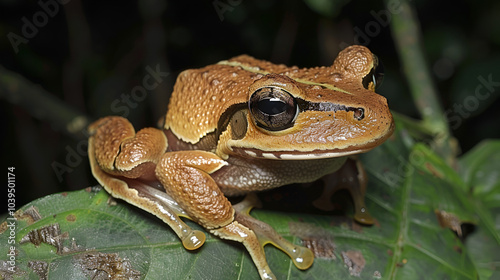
(245, 125)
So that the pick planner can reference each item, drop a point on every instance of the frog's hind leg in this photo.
(110, 146)
(302, 257)
(186, 177)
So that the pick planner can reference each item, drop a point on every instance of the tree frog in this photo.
(245, 125)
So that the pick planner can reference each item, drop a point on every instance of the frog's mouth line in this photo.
(312, 154)
(297, 155)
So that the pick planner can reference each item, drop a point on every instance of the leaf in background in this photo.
(481, 173)
(411, 186)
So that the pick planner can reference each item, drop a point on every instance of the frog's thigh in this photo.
(185, 176)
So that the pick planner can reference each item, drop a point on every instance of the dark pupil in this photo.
(271, 106)
(376, 75)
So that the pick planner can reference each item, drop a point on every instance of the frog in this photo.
(241, 126)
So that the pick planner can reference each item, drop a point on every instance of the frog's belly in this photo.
(244, 175)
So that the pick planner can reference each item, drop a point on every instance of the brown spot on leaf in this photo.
(449, 220)
(318, 240)
(3, 227)
(30, 215)
(346, 222)
(354, 261)
(98, 265)
(40, 268)
(357, 227)
(8, 271)
(50, 234)
(71, 218)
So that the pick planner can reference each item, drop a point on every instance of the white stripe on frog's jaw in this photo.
(296, 155)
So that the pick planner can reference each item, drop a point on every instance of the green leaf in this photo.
(412, 187)
(479, 169)
(416, 198)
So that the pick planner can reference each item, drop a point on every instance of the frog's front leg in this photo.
(186, 177)
(302, 257)
(351, 177)
(124, 162)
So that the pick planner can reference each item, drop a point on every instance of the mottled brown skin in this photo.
(213, 145)
(190, 186)
(229, 85)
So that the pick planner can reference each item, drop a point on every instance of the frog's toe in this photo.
(193, 239)
(302, 257)
(238, 232)
(363, 216)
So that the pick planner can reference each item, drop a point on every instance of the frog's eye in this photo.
(376, 75)
(273, 108)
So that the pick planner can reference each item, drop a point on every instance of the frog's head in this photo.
(310, 113)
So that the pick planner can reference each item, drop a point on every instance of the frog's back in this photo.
(202, 95)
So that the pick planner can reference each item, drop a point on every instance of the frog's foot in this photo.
(351, 177)
(238, 232)
(302, 257)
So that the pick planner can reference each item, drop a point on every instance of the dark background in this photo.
(88, 53)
